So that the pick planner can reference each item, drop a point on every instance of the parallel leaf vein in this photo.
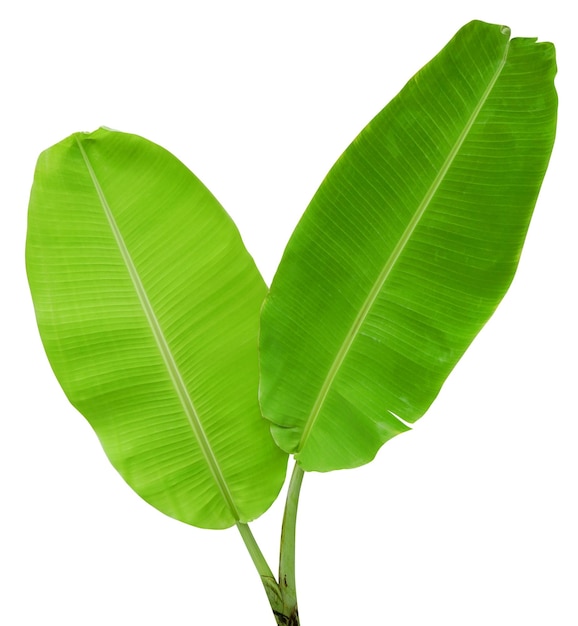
(181, 390)
(393, 258)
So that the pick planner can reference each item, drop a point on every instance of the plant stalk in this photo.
(267, 577)
(282, 595)
(287, 582)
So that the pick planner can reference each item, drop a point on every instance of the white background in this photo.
(468, 520)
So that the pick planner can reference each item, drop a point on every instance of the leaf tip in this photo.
(109, 129)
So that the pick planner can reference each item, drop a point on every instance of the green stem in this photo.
(287, 554)
(267, 578)
(283, 595)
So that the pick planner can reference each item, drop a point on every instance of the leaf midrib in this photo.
(179, 385)
(392, 260)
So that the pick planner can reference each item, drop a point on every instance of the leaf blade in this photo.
(380, 231)
(151, 306)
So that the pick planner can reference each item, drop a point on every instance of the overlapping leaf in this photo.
(406, 249)
(148, 307)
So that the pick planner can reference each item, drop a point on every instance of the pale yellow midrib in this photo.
(167, 356)
(392, 260)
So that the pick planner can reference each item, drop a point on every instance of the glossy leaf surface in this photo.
(148, 307)
(406, 249)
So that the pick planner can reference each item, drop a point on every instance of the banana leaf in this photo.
(406, 249)
(148, 307)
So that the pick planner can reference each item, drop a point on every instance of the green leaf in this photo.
(148, 307)
(406, 249)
